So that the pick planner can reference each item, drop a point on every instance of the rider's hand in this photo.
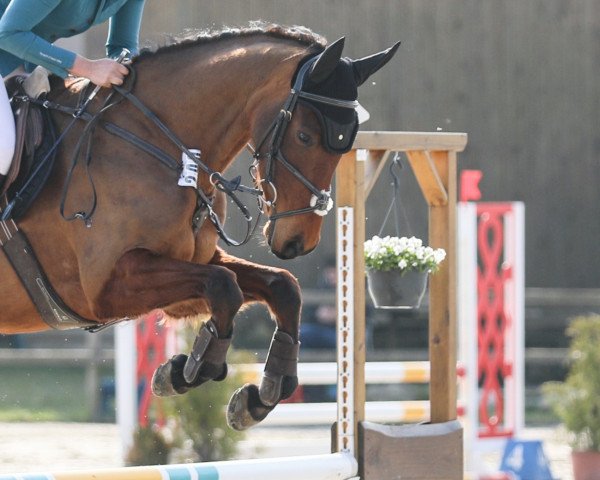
(104, 72)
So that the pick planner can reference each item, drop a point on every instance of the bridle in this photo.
(321, 201)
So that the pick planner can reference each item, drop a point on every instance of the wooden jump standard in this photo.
(429, 451)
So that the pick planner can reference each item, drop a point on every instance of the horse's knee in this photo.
(285, 288)
(223, 292)
(285, 302)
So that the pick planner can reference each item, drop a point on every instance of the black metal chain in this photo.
(395, 204)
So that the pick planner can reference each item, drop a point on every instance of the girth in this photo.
(55, 313)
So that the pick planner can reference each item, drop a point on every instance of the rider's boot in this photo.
(2, 178)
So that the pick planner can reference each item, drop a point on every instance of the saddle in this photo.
(26, 177)
(34, 137)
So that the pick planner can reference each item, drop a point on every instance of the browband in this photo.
(352, 104)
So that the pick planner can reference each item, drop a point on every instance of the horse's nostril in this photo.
(291, 249)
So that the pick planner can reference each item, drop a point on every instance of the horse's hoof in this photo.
(245, 408)
(166, 375)
(161, 381)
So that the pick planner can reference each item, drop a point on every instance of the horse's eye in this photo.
(305, 138)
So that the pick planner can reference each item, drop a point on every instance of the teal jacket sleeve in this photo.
(124, 28)
(17, 38)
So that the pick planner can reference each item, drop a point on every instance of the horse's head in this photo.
(296, 158)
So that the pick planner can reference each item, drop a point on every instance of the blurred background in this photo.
(519, 77)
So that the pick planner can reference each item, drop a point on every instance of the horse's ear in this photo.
(327, 61)
(365, 67)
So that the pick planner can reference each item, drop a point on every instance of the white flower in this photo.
(439, 255)
(405, 254)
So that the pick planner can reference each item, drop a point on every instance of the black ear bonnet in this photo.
(339, 125)
(328, 84)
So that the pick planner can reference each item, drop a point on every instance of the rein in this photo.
(204, 202)
(215, 178)
(320, 203)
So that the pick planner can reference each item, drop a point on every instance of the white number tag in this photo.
(189, 174)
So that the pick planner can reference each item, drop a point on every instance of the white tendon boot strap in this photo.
(7, 131)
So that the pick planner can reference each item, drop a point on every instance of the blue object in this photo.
(526, 459)
(29, 28)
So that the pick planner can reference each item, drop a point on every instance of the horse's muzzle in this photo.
(291, 249)
(288, 249)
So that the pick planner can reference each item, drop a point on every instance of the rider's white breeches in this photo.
(7, 131)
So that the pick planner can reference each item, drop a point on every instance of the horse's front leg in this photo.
(142, 281)
(279, 290)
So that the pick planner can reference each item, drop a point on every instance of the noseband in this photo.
(321, 201)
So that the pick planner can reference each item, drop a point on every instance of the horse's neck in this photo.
(213, 97)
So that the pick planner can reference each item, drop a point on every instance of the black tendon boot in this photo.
(2, 178)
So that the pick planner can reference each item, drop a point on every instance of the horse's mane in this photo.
(300, 34)
(189, 38)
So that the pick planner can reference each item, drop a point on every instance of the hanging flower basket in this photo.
(398, 269)
(393, 290)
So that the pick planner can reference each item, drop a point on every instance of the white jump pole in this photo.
(467, 315)
(126, 383)
(304, 414)
(514, 240)
(337, 466)
(325, 373)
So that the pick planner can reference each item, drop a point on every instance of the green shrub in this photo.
(576, 401)
(198, 420)
(150, 447)
(195, 427)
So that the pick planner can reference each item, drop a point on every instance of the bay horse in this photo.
(151, 243)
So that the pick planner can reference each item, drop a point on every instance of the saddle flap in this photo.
(34, 136)
(34, 131)
(20, 114)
